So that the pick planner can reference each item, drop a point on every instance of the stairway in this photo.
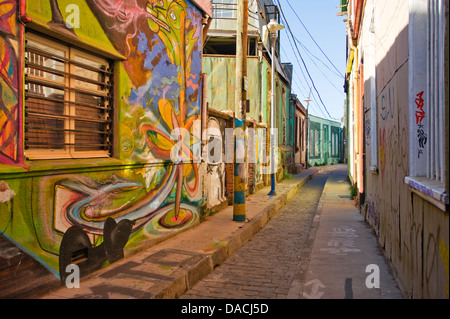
(21, 276)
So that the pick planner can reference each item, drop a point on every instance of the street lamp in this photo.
(273, 28)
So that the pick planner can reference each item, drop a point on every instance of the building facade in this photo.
(324, 141)
(95, 97)
(300, 135)
(111, 116)
(397, 117)
(219, 66)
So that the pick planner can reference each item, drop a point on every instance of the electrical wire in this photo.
(310, 54)
(340, 91)
(303, 62)
(306, 79)
(294, 73)
(311, 36)
(304, 76)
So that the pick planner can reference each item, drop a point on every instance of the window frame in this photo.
(224, 12)
(69, 150)
(427, 105)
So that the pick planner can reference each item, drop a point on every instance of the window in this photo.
(296, 129)
(428, 112)
(371, 71)
(303, 138)
(224, 9)
(316, 142)
(299, 134)
(333, 143)
(336, 145)
(68, 101)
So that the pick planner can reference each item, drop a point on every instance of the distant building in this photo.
(300, 135)
(324, 141)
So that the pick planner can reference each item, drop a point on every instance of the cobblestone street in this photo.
(265, 267)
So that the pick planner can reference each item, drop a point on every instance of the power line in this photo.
(299, 65)
(306, 68)
(309, 95)
(306, 80)
(304, 76)
(311, 36)
(340, 91)
(311, 54)
(294, 73)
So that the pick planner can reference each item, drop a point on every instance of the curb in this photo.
(199, 264)
(203, 265)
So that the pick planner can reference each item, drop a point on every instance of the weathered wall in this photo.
(413, 232)
(216, 192)
(222, 83)
(221, 96)
(158, 88)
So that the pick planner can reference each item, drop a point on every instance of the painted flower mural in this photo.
(153, 186)
(161, 42)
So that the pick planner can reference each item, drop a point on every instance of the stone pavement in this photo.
(170, 268)
(264, 267)
(317, 247)
(344, 260)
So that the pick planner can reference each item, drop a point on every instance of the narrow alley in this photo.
(297, 256)
(266, 266)
(224, 149)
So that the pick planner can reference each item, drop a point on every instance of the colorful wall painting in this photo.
(158, 106)
(10, 117)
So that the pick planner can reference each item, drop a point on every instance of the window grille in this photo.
(68, 101)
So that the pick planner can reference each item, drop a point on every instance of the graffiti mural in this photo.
(160, 40)
(215, 175)
(76, 246)
(444, 254)
(382, 147)
(157, 190)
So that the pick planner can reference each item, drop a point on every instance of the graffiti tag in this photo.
(420, 115)
(424, 189)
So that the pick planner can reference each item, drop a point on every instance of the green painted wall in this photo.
(324, 141)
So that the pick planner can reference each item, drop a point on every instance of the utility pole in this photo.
(273, 28)
(240, 172)
(308, 139)
(272, 118)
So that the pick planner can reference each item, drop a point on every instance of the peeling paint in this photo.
(6, 193)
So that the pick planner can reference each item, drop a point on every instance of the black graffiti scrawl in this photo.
(76, 247)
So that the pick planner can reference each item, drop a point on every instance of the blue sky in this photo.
(328, 31)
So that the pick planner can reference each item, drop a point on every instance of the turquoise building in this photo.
(324, 141)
